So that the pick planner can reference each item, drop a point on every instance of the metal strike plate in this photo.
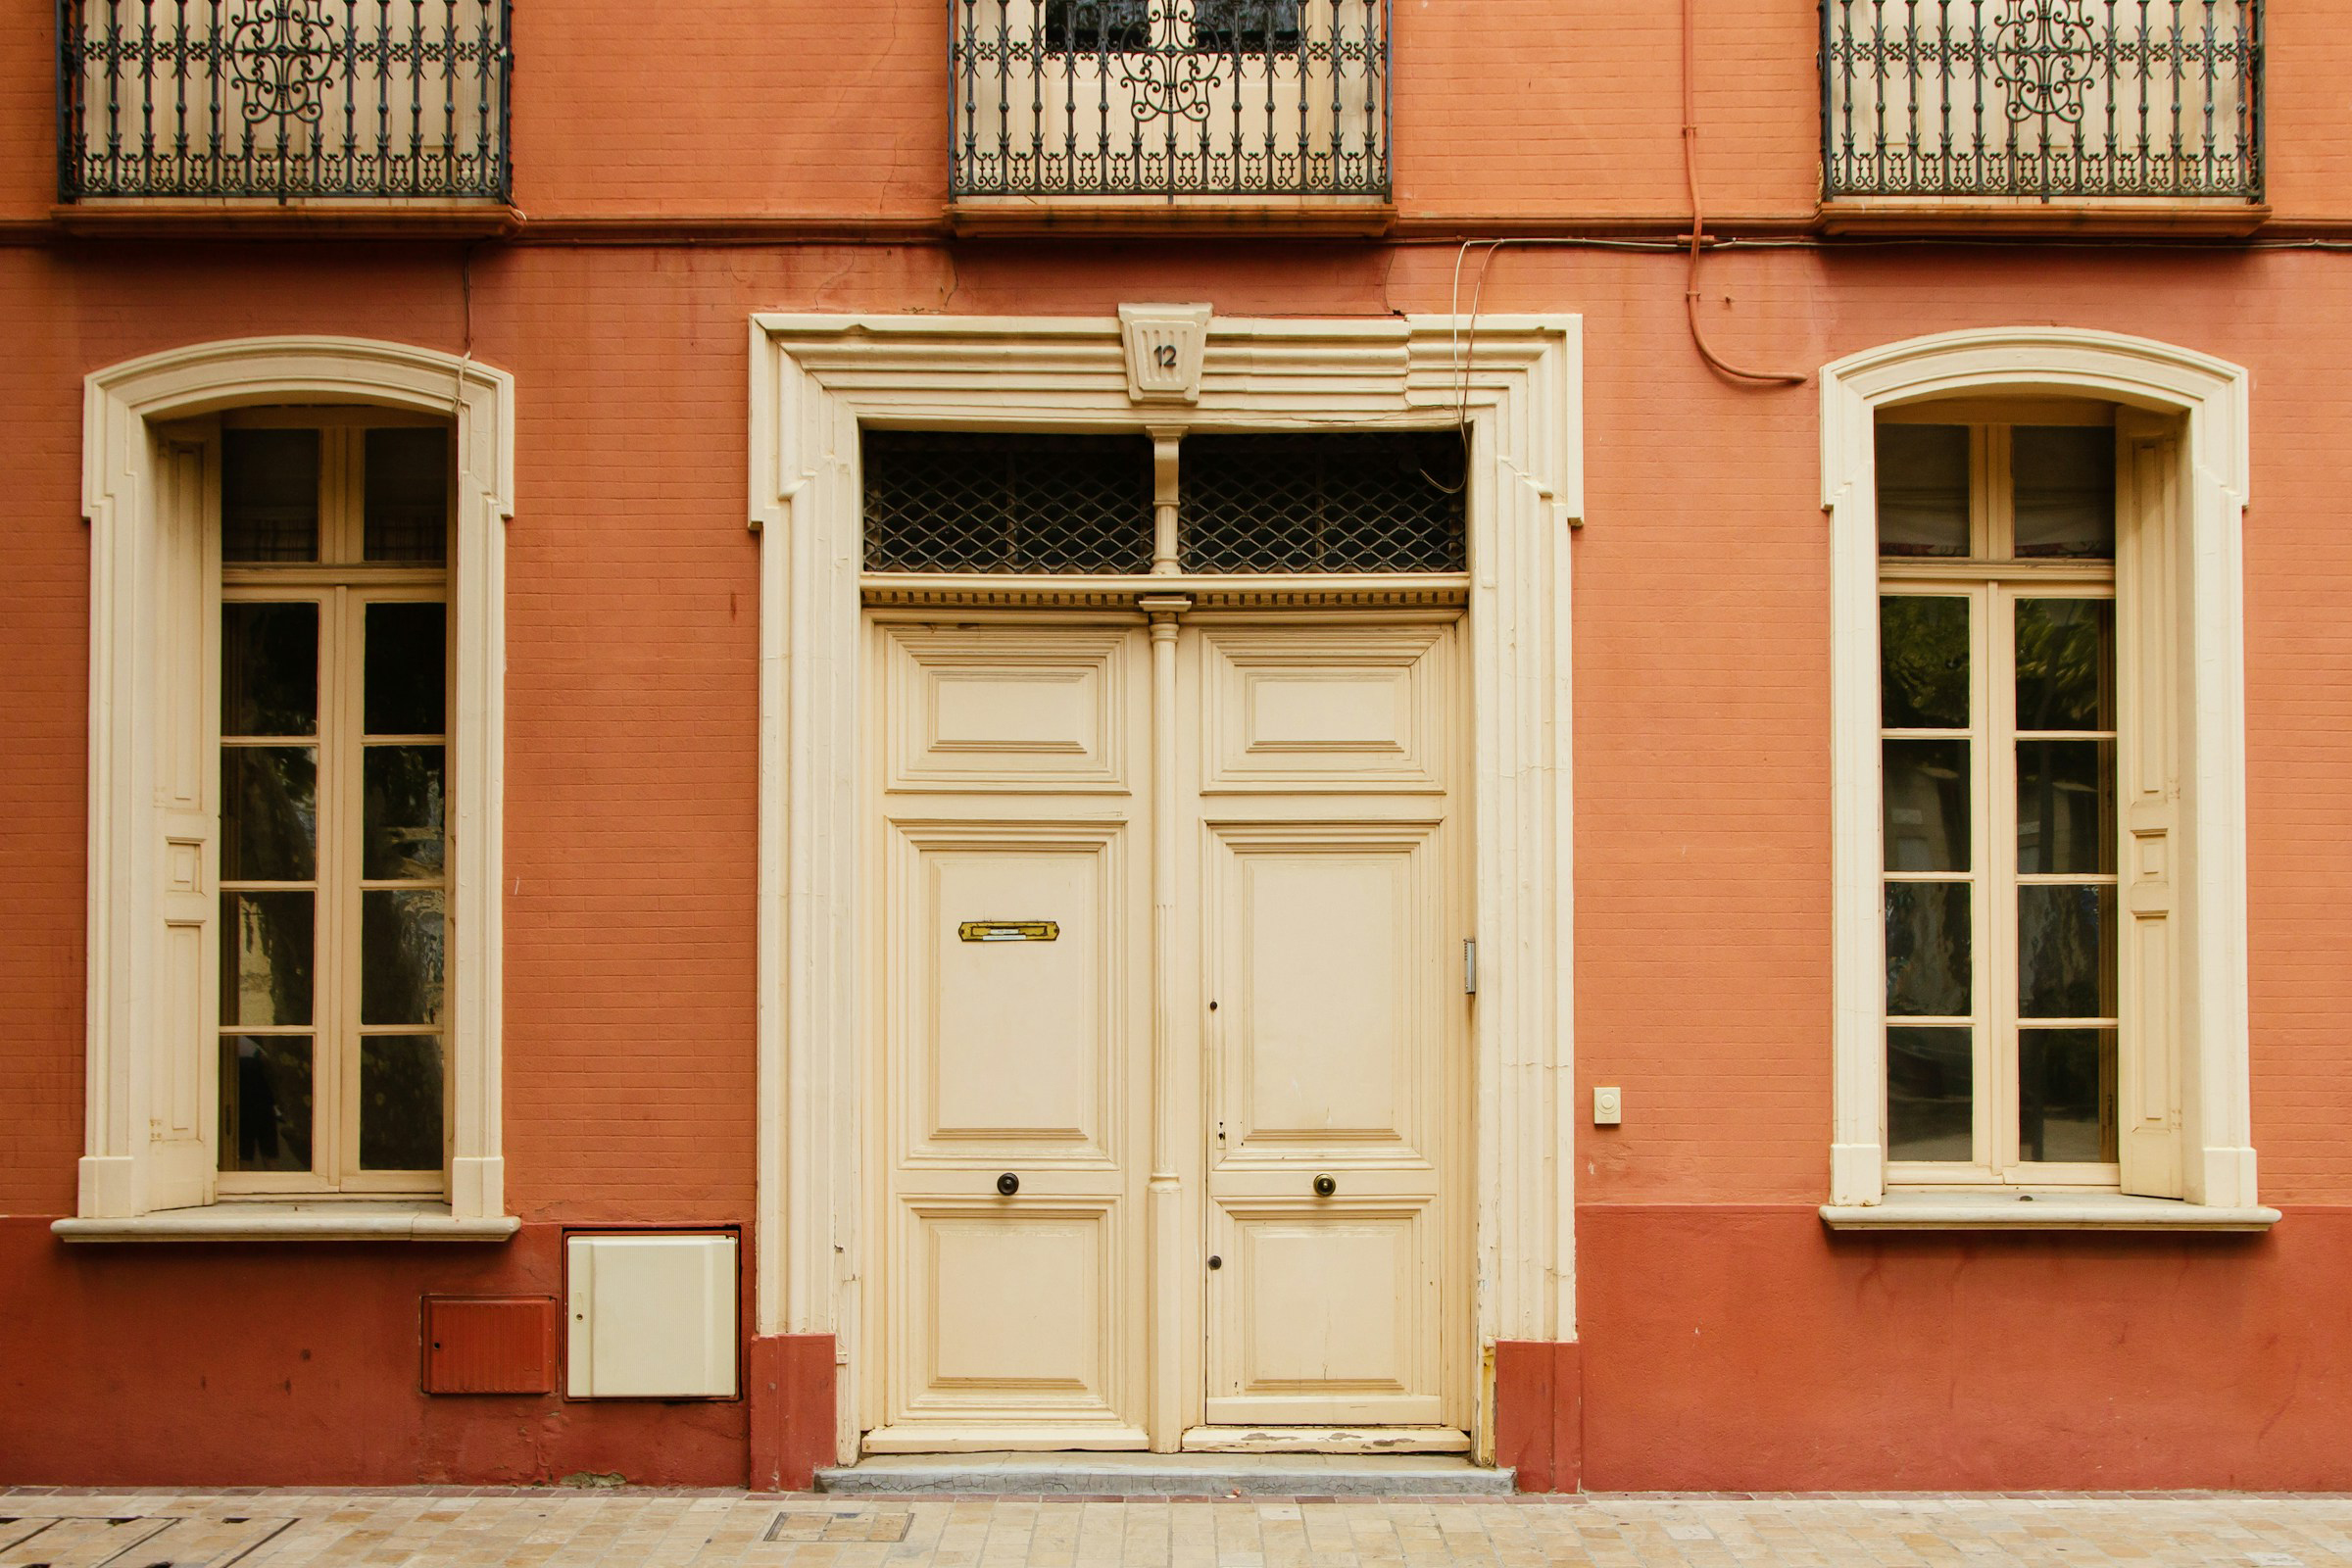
(1009, 930)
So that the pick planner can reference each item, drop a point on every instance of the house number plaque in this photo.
(1009, 930)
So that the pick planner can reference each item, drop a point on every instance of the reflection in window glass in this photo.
(2065, 663)
(265, 952)
(2066, 1081)
(400, 1102)
(269, 814)
(265, 1103)
(2066, 949)
(1923, 661)
(1923, 490)
(1931, 1093)
(268, 669)
(1927, 824)
(2065, 491)
(406, 503)
(269, 495)
(1928, 943)
(407, 668)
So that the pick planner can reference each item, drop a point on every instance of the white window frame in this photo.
(2188, 1155)
(150, 1164)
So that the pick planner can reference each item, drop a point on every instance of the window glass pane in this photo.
(2065, 490)
(2066, 808)
(1923, 661)
(266, 941)
(1927, 949)
(403, 813)
(1923, 490)
(1931, 1093)
(269, 814)
(269, 495)
(2066, 1090)
(406, 480)
(1927, 805)
(2066, 951)
(2065, 663)
(1253, 26)
(268, 670)
(1096, 25)
(400, 1102)
(405, 665)
(402, 932)
(265, 1103)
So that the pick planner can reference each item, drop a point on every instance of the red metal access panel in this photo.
(489, 1343)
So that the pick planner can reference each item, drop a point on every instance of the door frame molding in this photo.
(1513, 383)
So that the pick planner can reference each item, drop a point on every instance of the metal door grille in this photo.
(955, 502)
(960, 502)
(1389, 502)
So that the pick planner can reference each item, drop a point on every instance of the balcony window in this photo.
(2048, 100)
(283, 99)
(1169, 98)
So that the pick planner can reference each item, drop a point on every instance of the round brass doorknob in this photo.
(1324, 1187)
(1009, 1184)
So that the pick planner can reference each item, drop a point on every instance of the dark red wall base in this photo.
(298, 1364)
(1539, 1412)
(792, 1411)
(1748, 1348)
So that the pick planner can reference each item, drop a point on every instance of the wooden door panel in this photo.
(1330, 1304)
(1352, 711)
(1322, 983)
(1001, 709)
(1333, 1022)
(1011, 1325)
(1013, 1048)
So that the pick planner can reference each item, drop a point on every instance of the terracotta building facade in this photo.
(1614, 739)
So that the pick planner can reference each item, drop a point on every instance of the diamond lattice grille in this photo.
(939, 501)
(1323, 502)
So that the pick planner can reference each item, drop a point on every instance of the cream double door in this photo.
(1170, 998)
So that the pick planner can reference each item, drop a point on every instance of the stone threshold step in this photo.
(1163, 1475)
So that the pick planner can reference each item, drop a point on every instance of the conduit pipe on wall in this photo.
(1698, 219)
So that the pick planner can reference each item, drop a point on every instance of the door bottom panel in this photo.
(1325, 1440)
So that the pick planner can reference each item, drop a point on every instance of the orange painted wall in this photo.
(1714, 1309)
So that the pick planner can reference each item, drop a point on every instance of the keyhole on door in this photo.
(1212, 1006)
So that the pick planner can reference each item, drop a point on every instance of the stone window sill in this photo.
(2043, 1209)
(293, 1222)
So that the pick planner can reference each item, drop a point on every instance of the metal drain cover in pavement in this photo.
(833, 1522)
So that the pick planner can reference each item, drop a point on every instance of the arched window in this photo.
(2039, 809)
(297, 633)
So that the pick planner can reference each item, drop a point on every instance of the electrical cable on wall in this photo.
(1698, 220)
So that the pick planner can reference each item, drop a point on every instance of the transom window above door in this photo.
(1311, 503)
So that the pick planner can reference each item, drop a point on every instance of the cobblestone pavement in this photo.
(560, 1528)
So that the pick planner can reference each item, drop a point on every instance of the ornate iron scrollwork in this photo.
(282, 54)
(2042, 56)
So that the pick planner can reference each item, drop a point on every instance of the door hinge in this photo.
(1469, 966)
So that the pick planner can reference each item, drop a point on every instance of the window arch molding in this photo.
(155, 588)
(2185, 419)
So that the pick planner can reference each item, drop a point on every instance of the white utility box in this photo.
(650, 1317)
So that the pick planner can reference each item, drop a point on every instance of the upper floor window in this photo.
(334, 784)
(2050, 100)
(283, 99)
(1169, 98)
(1998, 730)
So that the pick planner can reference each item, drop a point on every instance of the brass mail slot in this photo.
(1009, 930)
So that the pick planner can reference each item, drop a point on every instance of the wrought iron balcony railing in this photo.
(1169, 98)
(402, 99)
(2050, 99)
